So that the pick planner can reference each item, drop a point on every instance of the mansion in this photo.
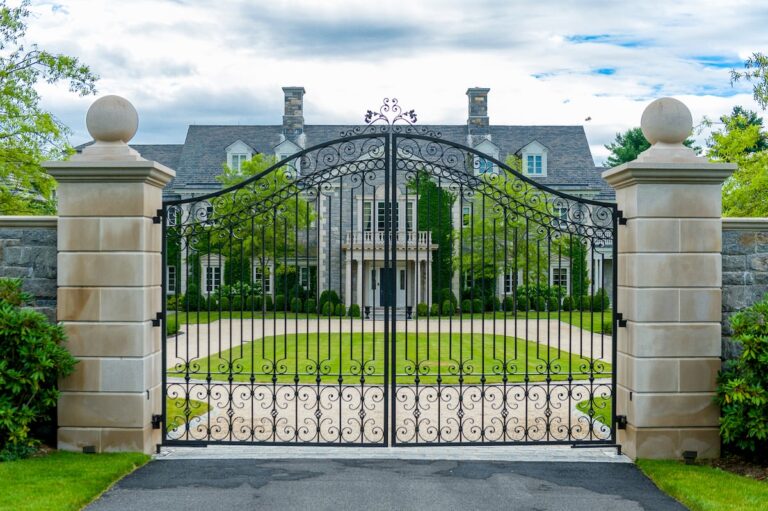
(344, 250)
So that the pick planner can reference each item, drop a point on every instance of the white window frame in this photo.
(566, 277)
(236, 161)
(262, 278)
(304, 276)
(534, 164)
(368, 222)
(466, 214)
(410, 217)
(171, 277)
(484, 166)
(536, 151)
(212, 275)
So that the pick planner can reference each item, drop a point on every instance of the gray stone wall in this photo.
(745, 270)
(28, 251)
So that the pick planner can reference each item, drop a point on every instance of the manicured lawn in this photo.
(296, 355)
(703, 488)
(602, 409)
(180, 411)
(62, 481)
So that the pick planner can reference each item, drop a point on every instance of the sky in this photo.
(554, 62)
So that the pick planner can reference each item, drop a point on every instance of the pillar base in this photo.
(669, 443)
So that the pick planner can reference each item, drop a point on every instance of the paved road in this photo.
(383, 484)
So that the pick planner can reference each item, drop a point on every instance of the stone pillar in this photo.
(669, 291)
(109, 278)
(348, 279)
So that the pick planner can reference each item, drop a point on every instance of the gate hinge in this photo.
(621, 217)
(159, 218)
(157, 421)
(620, 318)
(621, 422)
(158, 318)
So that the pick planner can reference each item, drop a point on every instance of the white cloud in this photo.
(545, 62)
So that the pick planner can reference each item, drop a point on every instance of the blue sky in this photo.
(557, 62)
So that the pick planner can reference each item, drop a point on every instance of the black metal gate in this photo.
(389, 287)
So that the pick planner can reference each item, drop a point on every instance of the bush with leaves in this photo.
(509, 303)
(568, 304)
(341, 310)
(742, 385)
(553, 304)
(448, 308)
(296, 304)
(466, 306)
(310, 306)
(354, 311)
(523, 303)
(601, 301)
(280, 305)
(585, 303)
(477, 305)
(434, 310)
(422, 310)
(32, 359)
(327, 309)
(329, 296)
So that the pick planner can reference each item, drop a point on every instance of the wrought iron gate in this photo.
(389, 287)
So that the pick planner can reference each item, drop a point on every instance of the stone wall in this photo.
(745, 269)
(28, 251)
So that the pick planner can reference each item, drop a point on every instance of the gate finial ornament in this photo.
(393, 109)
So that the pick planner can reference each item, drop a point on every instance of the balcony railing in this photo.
(376, 238)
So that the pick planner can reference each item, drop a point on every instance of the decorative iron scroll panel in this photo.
(300, 298)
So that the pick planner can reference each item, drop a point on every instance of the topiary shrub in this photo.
(448, 308)
(567, 304)
(223, 303)
(328, 309)
(310, 306)
(607, 328)
(354, 311)
(477, 305)
(341, 310)
(194, 300)
(171, 325)
(280, 305)
(237, 303)
(447, 294)
(296, 305)
(553, 304)
(32, 359)
(250, 303)
(508, 303)
(329, 295)
(434, 310)
(466, 306)
(742, 385)
(268, 303)
(422, 310)
(600, 301)
(585, 303)
(492, 303)
(523, 303)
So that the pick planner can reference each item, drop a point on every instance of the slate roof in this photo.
(199, 160)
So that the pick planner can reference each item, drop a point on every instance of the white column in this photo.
(360, 274)
(348, 281)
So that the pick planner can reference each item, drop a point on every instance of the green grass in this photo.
(62, 481)
(703, 488)
(180, 411)
(602, 409)
(592, 321)
(469, 353)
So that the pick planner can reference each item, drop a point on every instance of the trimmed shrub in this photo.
(523, 303)
(354, 311)
(222, 303)
(280, 305)
(250, 303)
(466, 306)
(310, 306)
(585, 303)
(742, 385)
(328, 309)
(296, 304)
(268, 304)
(448, 308)
(492, 303)
(607, 328)
(171, 325)
(567, 304)
(32, 359)
(341, 310)
(477, 305)
(553, 304)
(237, 303)
(509, 303)
(329, 295)
(434, 310)
(447, 294)
(541, 304)
(422, 310)
(600, 301)
(194, 300)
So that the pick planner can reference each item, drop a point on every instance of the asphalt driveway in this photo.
(383, 484)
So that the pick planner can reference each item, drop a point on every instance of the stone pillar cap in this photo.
(666, 123)
(112, 121)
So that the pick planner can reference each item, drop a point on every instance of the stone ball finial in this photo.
(666, 120)
(112, 119)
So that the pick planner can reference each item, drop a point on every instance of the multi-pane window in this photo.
(402, 280)
(262, 278)
(237, 160)
(171, 276)
(509, 283)
(367, 216)
(534, 165)
(409, 208)
(560, 277)
(212, 278)
(466, 213)
(304, 276)
(484, 166)
(380, 208)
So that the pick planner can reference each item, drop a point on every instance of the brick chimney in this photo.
(293, 117)
(478, 125)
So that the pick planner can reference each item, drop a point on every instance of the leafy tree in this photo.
(628, 145)
(755, 72)
(742, 140)
(29, 134)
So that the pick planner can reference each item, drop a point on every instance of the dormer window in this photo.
(236, 161)
(237, 154)
(484, 166)
(534, 156)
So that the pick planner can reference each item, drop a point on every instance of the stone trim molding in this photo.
(635, 172)
(49, 222)
(149, 172)
(745, 224)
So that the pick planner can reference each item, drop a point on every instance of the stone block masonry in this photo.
(745, 270)
(28, 252)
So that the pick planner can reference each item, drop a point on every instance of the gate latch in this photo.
(157, 421)
(158, 319)
(620, 318)
(621, 422)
